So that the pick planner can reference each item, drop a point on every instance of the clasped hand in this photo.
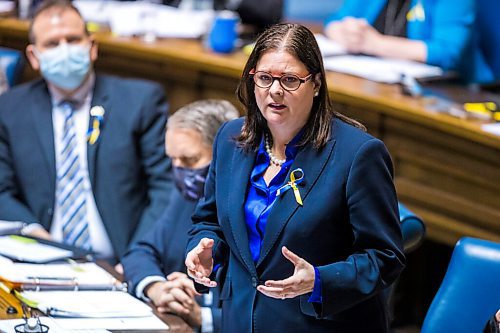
(199, 263)
(177, 296)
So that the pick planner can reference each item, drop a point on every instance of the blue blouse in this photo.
(260, 200)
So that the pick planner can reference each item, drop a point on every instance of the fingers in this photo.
(205, 281)
(175, 308)
(183, 298)
(206, 243)
(176, 275)
(295, 259)
(199, 260)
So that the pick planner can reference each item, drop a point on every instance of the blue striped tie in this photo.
(70, 188)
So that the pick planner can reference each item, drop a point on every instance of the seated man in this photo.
(81, 154)
(190, 134)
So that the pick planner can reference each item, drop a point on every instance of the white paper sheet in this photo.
(328, 47)
(380, 69)
(7, 6)
(10, 227)
(83, 275)
(143, 323)
(128, 18)
(29, 250)
(492, 128)
(87, 304)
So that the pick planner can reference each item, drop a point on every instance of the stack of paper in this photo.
(128, 18)
(29, 250)
(84, 276)
(86, 304)
(380, 69)
(115, 310)
(328, 47)
(10, 227)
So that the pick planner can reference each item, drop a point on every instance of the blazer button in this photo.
(254, 282)
(50, 212)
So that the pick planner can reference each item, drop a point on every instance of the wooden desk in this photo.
(176, 324)
(447, 169)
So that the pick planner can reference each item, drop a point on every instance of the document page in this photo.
(75, 275)
(86, 304)
(384, 70)
(29, 250)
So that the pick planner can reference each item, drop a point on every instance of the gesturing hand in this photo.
(199, 262)
(301, 282)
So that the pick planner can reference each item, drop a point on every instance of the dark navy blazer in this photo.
(161, 251)
(348, 227)
(127, 165)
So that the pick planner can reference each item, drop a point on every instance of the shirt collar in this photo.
(78, 97)
(291, 148)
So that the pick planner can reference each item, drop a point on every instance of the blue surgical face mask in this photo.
(65, 66)
(190, 182)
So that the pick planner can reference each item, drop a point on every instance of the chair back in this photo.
(412, 228)
(488, 30)
(413, 231)
(11, 63)
(470, 291)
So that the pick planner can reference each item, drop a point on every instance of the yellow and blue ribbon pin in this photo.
(296, 177)
(97, 115)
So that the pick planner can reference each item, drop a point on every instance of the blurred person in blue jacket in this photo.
(154, 267)
(436, 32)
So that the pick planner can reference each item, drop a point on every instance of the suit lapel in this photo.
(99, 98)
(241, 168)
(312, 162)
(42, 117)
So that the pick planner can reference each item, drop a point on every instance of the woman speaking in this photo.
(299, 207)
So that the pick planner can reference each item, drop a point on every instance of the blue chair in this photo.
(413, 231)
(412, 228)
(470, 291)
(11, 62)
(489, 33)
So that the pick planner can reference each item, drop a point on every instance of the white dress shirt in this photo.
(99, 238)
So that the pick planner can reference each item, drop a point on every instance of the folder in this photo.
(63, 276)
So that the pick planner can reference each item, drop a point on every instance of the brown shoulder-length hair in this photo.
(301, 43)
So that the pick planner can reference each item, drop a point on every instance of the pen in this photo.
(55, 312)
(50, 278)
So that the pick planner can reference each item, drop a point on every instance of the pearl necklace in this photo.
(274, 160)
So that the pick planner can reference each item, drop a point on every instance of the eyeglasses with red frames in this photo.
(289, 82)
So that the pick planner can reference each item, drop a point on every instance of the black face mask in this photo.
(190, 182)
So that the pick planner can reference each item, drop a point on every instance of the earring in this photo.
(316, 94)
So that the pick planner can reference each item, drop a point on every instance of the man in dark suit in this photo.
(154, 266)
(81, 155)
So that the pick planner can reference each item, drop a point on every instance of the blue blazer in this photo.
(348, 227)
(448, 30)
(128, 170)
(161, 251)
